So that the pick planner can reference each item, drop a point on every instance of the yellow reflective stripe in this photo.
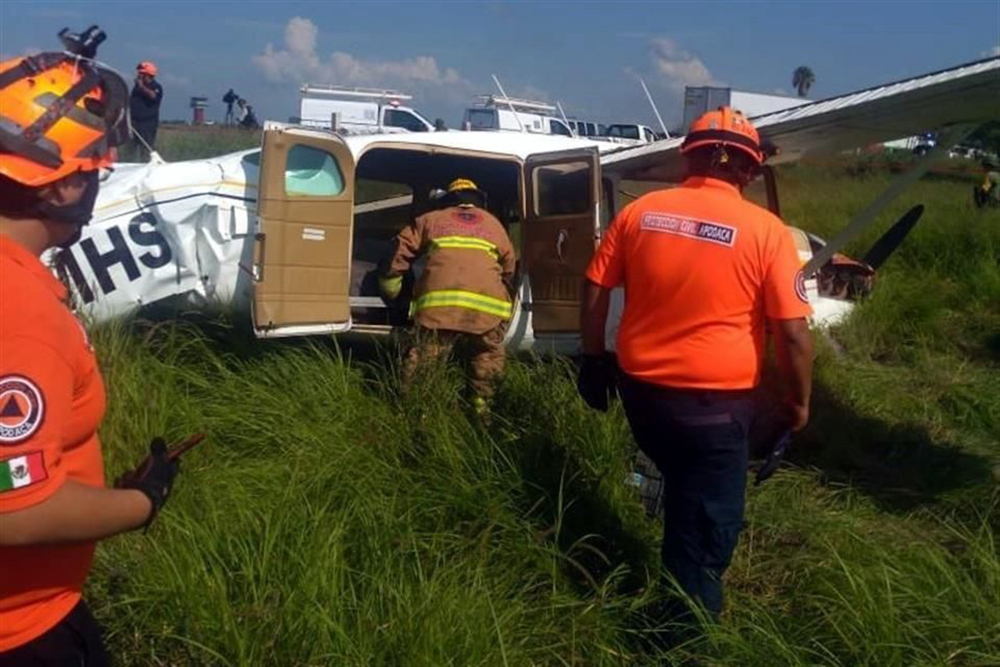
(463, 299)
(390, 286)
(468, 242)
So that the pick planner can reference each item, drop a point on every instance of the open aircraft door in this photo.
(302, 251)
(560, 234)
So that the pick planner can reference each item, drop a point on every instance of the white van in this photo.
(631, 134)
(589, 129)
(494, 113)
(359, 110)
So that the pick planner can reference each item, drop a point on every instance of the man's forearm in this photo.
(146, 90)
(593, 316)
(794, 354)
(75, 513)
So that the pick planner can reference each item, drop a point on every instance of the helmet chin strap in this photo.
(77, 214)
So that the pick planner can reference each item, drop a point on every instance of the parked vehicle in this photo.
(359, 110)
(495, 112)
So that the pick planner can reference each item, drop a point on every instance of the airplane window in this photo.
(404, 119)
(312, 172)
(562, 189)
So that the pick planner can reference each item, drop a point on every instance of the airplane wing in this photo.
(965, 94)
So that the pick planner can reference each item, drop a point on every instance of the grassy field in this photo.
(329, 519)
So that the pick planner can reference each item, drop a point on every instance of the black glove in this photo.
(154, 477)
(775, 456)
(597, 379)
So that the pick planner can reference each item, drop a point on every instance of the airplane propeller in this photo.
(888, 242)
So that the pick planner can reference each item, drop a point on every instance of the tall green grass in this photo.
(332, 518)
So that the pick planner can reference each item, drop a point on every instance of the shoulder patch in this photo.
(466, 216)
(800, 286)
(20, 471)
(22, 408)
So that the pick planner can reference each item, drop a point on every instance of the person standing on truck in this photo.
(144, 106)
(706, 273)
(61, 116)
(463, 296)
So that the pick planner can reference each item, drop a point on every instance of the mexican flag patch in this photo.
(22, 471)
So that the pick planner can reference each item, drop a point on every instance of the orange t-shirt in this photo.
(702, 267)
(51, 403)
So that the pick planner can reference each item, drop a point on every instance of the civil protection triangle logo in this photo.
(22, 409)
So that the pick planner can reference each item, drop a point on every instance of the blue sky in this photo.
(585, 54)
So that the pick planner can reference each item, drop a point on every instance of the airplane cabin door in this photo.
(302, 251)
(560, 234)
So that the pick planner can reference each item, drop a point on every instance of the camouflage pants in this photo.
(483, 353)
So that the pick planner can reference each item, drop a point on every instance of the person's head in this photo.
(146, 71)
(464, 192)
(723, 144)
(241, 102)
(61, 118)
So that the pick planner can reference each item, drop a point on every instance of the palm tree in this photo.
(803, 79)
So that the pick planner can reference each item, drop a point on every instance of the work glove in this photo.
(154, 477)
(775, 455)
(390, 286)
(597, 380)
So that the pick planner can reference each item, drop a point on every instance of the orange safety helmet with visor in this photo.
(60, 113)
(724, 127)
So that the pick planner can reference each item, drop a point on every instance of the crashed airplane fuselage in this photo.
(293, 233)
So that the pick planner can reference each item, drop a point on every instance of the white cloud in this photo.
(677, 67)
(992, 53)
(299, 62)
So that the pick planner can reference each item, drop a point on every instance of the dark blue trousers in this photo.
(698, 441)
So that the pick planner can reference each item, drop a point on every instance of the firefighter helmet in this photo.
(59, 114)
(464, 192)
(725, 127)
(460, 184)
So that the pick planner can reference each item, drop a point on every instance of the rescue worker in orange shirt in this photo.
(463, 296)
(61, 115)
(706, 274)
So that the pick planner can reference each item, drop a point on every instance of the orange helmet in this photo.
(59, 114)
(726, 127)
(146, 67)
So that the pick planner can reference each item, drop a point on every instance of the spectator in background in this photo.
(248, 120)
(144, 105)
(230, 98)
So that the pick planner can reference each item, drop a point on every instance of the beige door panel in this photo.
(560, 235)
(302, 256)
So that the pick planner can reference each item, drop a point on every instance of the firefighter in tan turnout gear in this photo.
(463, 296)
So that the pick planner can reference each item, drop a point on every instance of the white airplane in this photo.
(292, 232)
